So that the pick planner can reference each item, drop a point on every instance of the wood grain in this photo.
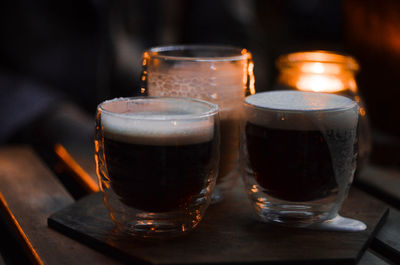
(32, 193)
(228, 235)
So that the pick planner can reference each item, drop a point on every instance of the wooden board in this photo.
(229, 234)
(29, 194)
(387, 240)
(369, 258)
(383, 183)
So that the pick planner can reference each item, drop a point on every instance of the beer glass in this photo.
(157, 162)
(298, 154)
(219, 74)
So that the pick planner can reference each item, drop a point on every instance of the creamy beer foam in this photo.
(296, 110)
(168, 127)
(222, 85)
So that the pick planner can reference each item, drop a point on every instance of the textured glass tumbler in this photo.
(157, 162)
(219, 74)
(298, 155)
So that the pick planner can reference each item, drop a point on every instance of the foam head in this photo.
(220, 82)
(296, 110)
(176, 122)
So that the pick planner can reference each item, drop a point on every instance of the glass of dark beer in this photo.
(222, 75)
(157, 162)
(298, 153)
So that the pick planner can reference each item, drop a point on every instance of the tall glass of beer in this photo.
(157, 162)
(298, 154)
(219, 74)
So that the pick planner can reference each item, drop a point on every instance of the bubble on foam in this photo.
(298, 110)
(158, 130)
(218, 82)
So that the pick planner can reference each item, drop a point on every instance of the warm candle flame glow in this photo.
(320, 77)
(317, 68)
(320, 68)
(319, 83)
(318, 71)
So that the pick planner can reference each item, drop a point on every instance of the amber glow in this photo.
(319, 83)
(248, 76)
(320, 68)
(252, 78)
(254, 189)
(375, 28)
(318, 71)
(145, 57)
(34, 257)
(196, 220)
(81, 176)
(362, 112)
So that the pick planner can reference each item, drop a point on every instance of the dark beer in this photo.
(300, 146)
(291, 165)
(155, 164)
(157, 178)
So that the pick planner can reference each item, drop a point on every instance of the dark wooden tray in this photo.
(229, 234)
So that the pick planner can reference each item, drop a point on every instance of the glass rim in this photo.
(158, 52)
(213, 109)
(320, 56)
(350, 106)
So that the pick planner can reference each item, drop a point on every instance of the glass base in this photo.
(153, 226)
(309, 217)
(159, 225)
(292, 214)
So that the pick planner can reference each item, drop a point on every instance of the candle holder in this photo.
(326, 72)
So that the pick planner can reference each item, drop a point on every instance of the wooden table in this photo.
(31, 190)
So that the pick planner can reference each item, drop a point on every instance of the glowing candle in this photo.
(318, 71)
